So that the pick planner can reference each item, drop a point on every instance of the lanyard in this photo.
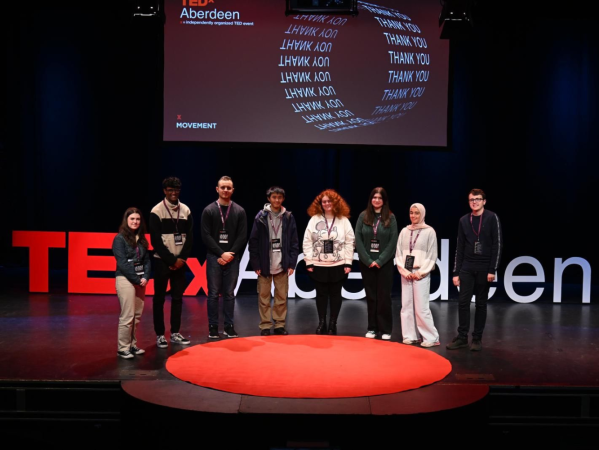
(375, 227)
(479, 225)
(168, 210)
(137, 251)
(275, 229)
(412, 245)
(224, 219)
(327, 225)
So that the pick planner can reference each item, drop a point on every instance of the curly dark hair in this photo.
(340, 207)
(129, 234)
(171, 182)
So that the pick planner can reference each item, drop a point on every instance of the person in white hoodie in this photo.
(328, 252)
(416, 257)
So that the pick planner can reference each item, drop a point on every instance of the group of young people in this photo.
(328, 246)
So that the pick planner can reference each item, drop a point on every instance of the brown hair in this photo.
(385, 211)
(129, 234)
(340, 207)
(478, 192)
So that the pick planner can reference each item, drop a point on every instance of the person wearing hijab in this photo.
(415, 257)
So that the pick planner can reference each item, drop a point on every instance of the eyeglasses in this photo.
(170, 190)
(475, 200)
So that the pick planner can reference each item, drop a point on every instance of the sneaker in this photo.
(410, 342)
(213, 332)
(230, 331)
(386, 337)
(265, 332)
(458, 342)
(126, 354)
(476, 345)
(161, 342)
(430, 344)
(370, 334)
(178, 338)
(281, 331)
(137, 351)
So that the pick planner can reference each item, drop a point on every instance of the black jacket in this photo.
(491, 239)
(259, 244)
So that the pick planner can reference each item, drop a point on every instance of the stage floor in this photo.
(73, 337)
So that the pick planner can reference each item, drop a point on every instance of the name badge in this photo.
(409, 265)
(139, 268)
(178, 239)
(375, 245)
(328, 246)
(478, 248)
(275, 244)
(223, 237)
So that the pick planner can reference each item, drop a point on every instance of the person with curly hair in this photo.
(328, 252)
(376, 239)
(130, 249)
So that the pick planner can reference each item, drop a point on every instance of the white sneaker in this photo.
(409, 342)
(370, 334)
(178, 338)
(126, 354)
(136, 350)
(430, 344)
(386, 337)
(161, 341)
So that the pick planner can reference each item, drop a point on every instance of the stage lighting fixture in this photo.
(322, 7)
(455, 19)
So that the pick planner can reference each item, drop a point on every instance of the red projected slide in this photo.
(242, 71)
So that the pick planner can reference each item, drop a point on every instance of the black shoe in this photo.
(265, 332)
(213, 332)
(458, 342)
(333, 326)
(230, 331)
(136, 350)
(125, 354)
(322, 326)
(281, 331)
(476, 345)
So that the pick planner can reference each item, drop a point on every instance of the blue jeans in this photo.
(221, 280)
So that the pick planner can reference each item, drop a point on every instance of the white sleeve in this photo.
(350, 242)
(307, 245)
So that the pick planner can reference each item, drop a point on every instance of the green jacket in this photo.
(387, 237)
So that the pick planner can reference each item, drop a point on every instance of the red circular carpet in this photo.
(308, 366)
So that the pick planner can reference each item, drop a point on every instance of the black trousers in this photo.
(328, 282)
(378, 284)
(473, 283)
(162, 275)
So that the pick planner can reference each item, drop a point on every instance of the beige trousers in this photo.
(131, 298)
(278, 311)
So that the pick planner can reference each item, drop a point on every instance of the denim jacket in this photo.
(126, 256)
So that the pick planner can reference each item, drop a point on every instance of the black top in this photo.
(491, 239)
(236, 226)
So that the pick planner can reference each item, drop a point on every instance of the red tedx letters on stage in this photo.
(80, 262)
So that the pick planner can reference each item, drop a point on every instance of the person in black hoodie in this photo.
(478, 252)
(274, 248)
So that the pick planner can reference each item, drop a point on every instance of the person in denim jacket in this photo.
(130, 249)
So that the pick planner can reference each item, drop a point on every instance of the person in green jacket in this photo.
(376, 239)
